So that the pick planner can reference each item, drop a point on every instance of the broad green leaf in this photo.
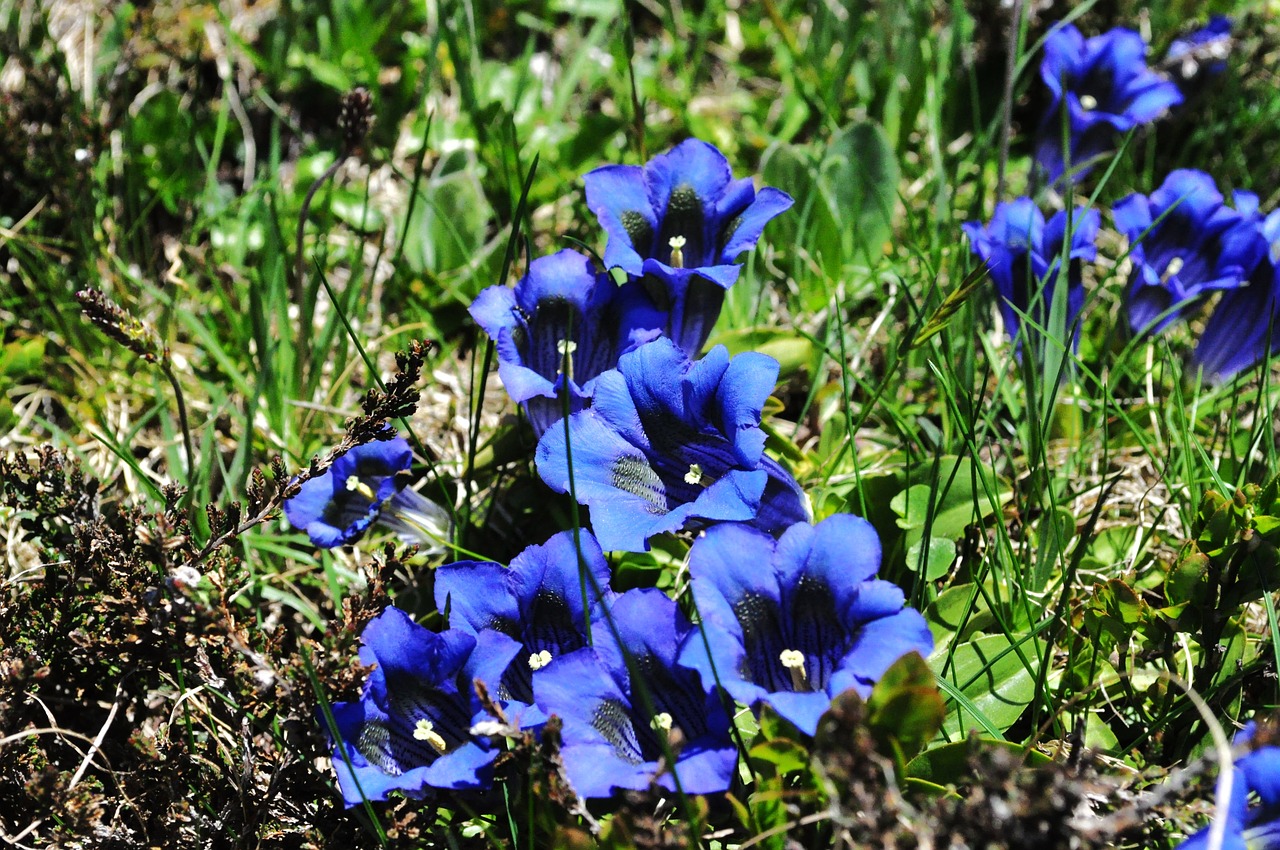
(860, 175)
(989, 671)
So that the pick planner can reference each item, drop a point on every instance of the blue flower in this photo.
(410, 731)
(1245, 325)
(364, 486)
(1205, 50)
(1024, 256)
(615, 726)
(680, 223)
(538, 601)
(667, 442)
(1184, 243)
(1106, 88)
(555, 332)
(1249, 827)
(796, 621)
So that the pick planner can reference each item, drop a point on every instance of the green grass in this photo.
(1035, 515)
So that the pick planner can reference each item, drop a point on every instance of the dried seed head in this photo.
(355, 118)
(120, 325)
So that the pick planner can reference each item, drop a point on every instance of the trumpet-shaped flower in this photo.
(1202, 51)
(1185, 242)
(795, 621)
(667, 442)
(554, 332)
(1249, 827)
(1245, 325)
(619, 729)
(1105, 87)
(364, 486)
(1024, 256)
(410, 730)
(679, 223)
(538, 601)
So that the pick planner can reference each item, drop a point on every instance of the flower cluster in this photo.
(653, 440)
(1186, 243)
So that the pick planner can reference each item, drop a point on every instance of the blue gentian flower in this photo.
(1205, 50)
(679, 224)
(614, 726)
(1106, 88)
(539, 601)
(1024, 256)
(1249, 827)
(410, 730)
(1185, 242)
(554, 332)
(667, 442)
(795, 621)
(364, 486)
(1245, 325)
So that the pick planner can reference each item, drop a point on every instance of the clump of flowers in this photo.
(652, 441)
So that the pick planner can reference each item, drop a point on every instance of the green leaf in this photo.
(947, 764)
(905, 705)
(783, 755)
(940, 555)
(996, 681)
(860, 173)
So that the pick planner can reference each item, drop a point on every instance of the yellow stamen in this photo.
(662, 722)
(355, 485)
(694, 475)
(539, 660)
(1175, 266)
(1088, 102)
(424, 730)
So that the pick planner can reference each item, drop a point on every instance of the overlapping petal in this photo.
(1105, 87)
(538, 601)
(1185, 242)
(410, 730)
(618, 730)
(1024, 256)
(667, 442)
(794, 622)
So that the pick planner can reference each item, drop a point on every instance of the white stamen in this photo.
(424, 730)
(662, 722)
(793, 660)
(1175, 266)
(539, 660)
(1088, 102)
(566, 347)
(694, 475)
(677, 244)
